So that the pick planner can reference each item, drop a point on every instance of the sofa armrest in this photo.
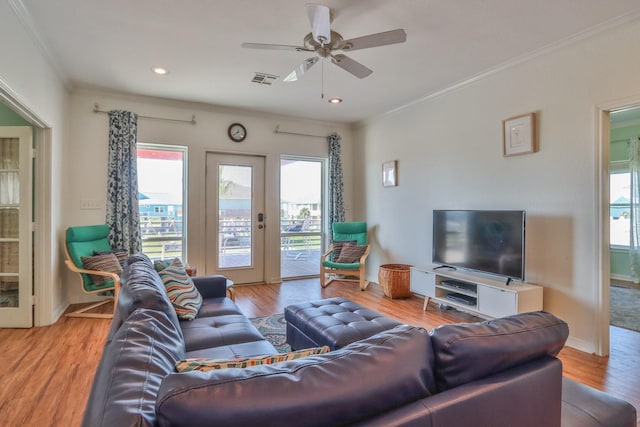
(528, 395)
(214, 286)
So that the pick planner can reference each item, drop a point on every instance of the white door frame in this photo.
(45, 258)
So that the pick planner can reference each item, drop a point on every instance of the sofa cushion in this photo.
(469, 351)
(141, 288)
(205, 364)
(215, 331)
(584, 406)
(217, 307)
(362, 379)
(182, 292)
(235, 351)
(142, 352)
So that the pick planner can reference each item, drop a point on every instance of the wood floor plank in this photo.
(46, 373)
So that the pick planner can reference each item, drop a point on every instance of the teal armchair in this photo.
(81, 242)
(346, 255)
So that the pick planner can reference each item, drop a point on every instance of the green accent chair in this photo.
(83, 241)
(355, 271)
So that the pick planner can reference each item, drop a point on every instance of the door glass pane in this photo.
(9, 215)
(300, 217)
(235, 216)
(161, 187)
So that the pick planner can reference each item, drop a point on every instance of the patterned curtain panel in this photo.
(123, 216)
(634, 241)
(336, 186)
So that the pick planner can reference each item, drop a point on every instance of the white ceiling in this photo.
(113, 45)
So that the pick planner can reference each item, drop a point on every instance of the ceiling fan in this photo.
(324, 42)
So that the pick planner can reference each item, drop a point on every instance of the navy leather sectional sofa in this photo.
(498, 373)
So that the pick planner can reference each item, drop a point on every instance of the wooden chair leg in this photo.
(83, 311)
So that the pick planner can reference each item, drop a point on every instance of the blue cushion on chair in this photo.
(350, 231)
(351, 266)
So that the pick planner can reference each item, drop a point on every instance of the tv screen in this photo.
(480, 240)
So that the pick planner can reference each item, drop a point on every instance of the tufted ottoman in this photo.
(334, 322)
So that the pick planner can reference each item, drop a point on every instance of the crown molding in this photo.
(28, 23)
(611, 24)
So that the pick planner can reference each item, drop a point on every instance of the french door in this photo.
(235, 217)
(16, 265)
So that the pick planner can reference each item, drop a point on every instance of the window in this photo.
(619, 204)
(162, 189)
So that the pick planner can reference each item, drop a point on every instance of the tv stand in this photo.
(479, 295)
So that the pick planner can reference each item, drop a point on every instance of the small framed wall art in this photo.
(519, 135)
(390, 173)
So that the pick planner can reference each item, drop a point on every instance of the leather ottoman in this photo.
(334, 322)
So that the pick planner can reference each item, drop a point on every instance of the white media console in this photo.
(480, 295)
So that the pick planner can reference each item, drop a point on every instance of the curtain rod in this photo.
(277, 130)
(96, 109)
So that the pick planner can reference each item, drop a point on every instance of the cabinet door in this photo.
(496, 302)
(423, 283)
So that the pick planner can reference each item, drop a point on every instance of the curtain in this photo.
(336, 186)
(634, 241)
(123, 216)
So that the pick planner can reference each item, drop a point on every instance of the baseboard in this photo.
(621, 277)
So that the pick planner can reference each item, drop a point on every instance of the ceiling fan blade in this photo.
(374, 40)
(320, 20)
(348, 64)
(301, 69)
(269, 46)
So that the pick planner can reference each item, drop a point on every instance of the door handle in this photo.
(260, 217)
(260, 226)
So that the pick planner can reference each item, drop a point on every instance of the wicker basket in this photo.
(395, 280)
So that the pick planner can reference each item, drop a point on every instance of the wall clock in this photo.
(237, 132)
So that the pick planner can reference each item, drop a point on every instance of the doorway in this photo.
(301, 216)
(624, 295)
(235, 204)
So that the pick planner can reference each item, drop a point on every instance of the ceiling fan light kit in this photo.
(324, 42)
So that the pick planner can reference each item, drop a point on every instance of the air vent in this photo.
(263, 78)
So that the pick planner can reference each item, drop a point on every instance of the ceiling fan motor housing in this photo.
(337, 43)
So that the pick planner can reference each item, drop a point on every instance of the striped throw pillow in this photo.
(121, 254)
(105, 262)
(181, 291)
(203, 364)
(351, 253)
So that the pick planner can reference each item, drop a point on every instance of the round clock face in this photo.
(237, 132)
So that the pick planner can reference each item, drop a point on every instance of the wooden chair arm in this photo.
(365, 254)
(326, 254)
(115, 277)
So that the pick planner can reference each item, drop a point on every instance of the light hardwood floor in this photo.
(46, 373)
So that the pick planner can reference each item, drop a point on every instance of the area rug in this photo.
(625, 307)
(274, 329)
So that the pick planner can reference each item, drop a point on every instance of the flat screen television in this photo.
(480, 240)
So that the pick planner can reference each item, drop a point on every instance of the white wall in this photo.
(86, 160)
(449, 154)
(27, 78)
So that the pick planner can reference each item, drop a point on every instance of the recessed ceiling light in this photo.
(335, 100)
(160, 70)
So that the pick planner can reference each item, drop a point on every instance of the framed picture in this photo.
(519, 135)
(390, 174)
